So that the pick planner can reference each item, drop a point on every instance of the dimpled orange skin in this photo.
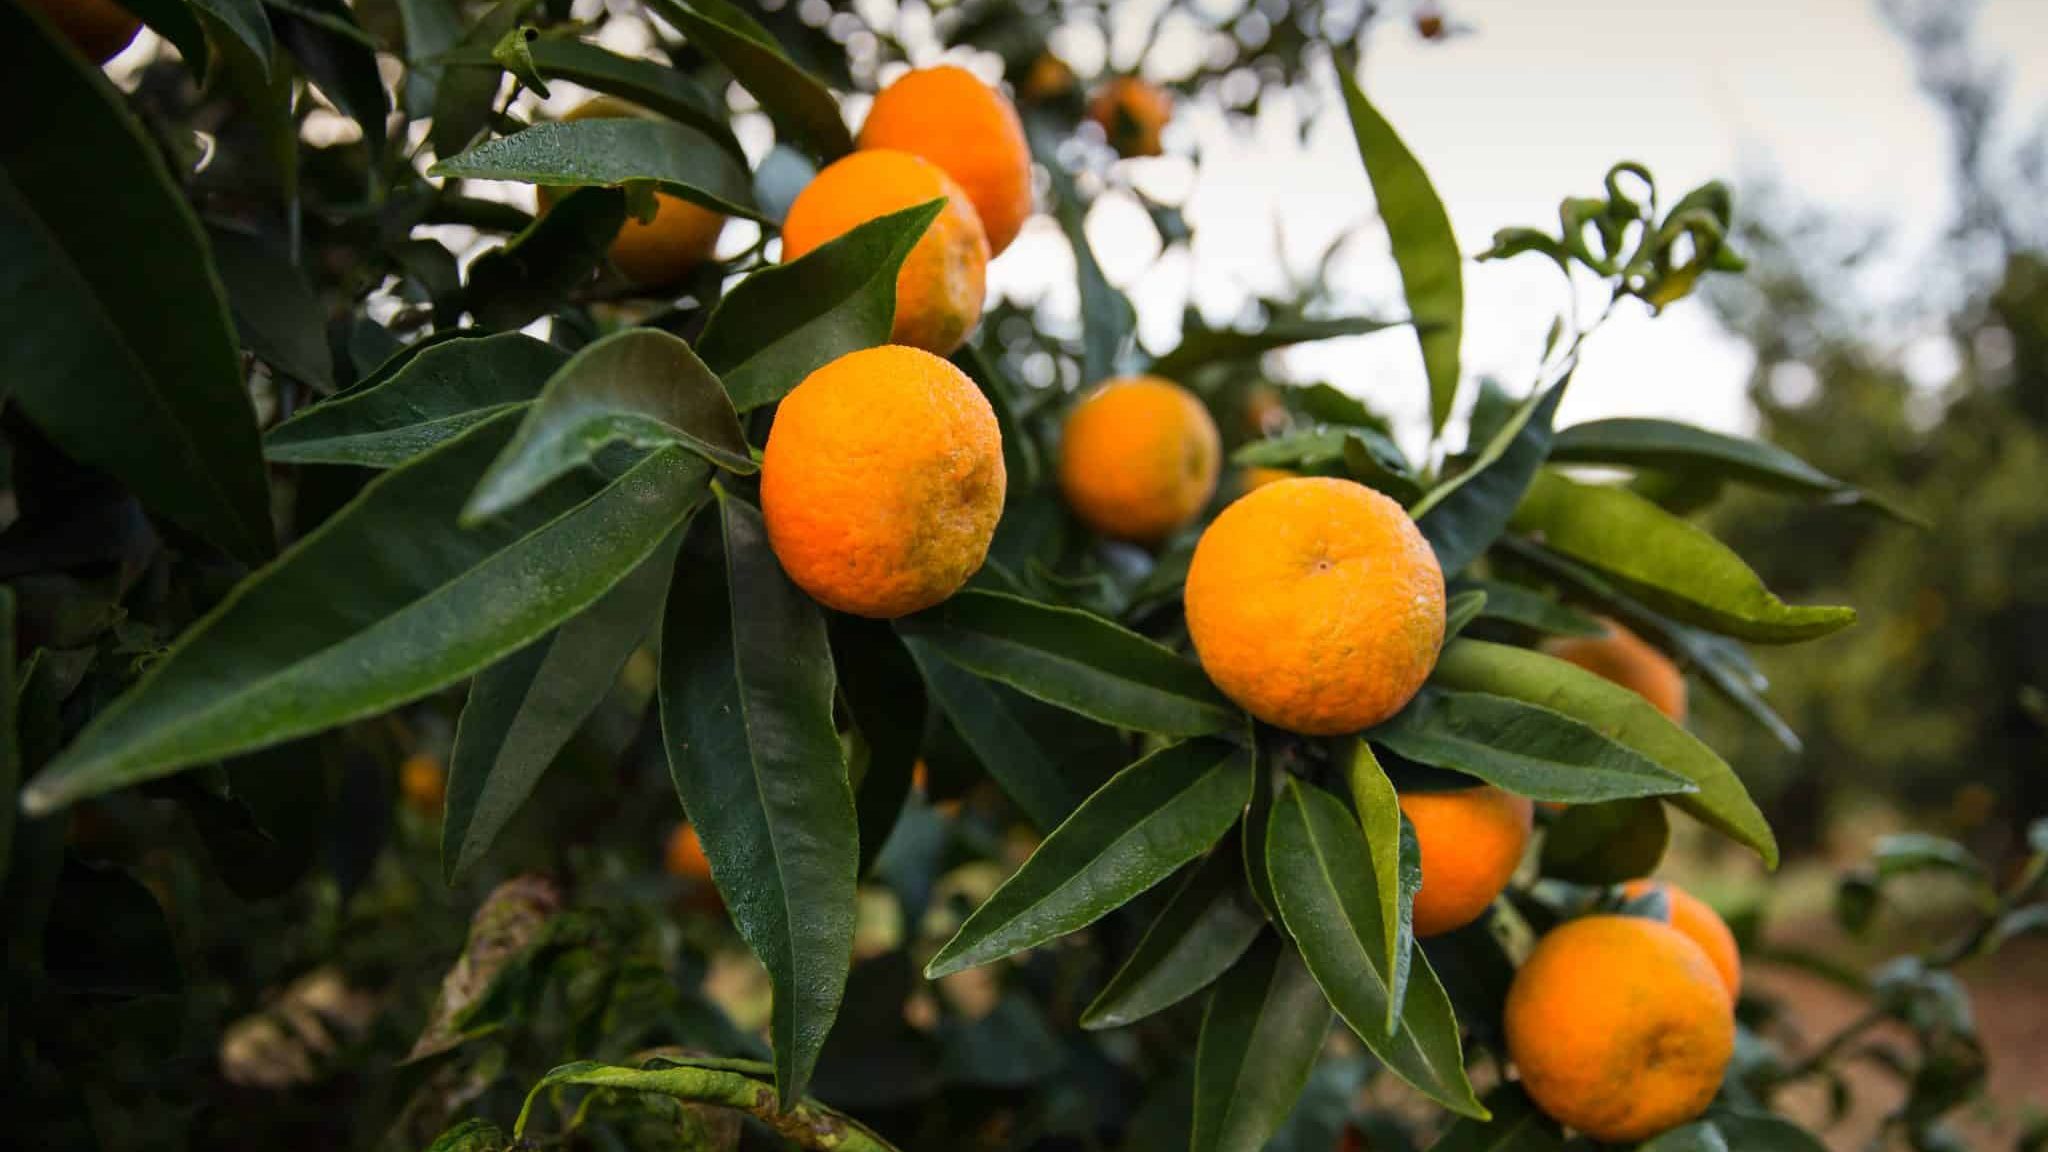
(1131, 113)
(939, 291)
(1316, 604)
(1700, 924)
(1470, 841)
(1628, 660)
(882, 481)
(681, 236)
(1620, 1027)
(99, 29)
(1139, 458)
(949, 117)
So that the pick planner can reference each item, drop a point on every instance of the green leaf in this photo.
(472, 1135)
(339, 58)
(1261, 1035)
(641, 387)
(136, 375)
(1257, 821)
(784, 322)
(521, 280)
(275, 311)
(1201, 932)
(522, 710)
(1606, 843)
(514, 53)
(680, 159)
(466, 79)
(1323, 879)
(432, 27)
(1074, 660)
(175, 21)
(746, 707)
(1020, 451)
(990, 721)
(667, 91)
(1700, 1136)
(1525, 748)
(1668, 563)
(1758, 1132)
(1150, 819)
(1425, 249)
(1108, 321)
(1462, 517)
(804, 112)
(10, 745)
(885, 697)
(1528, 608)
(433, 395)
(1396, 869)
(1465, 606)
(721, 1084)
(1201, 347)
(1517, 1126)
(358, 616)
(1367, 454)
(246, 20)
(1621, 715)
(1903, 853)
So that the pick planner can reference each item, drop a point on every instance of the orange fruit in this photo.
(1700, 924)
(939, 291)
(1131, 112)
(1139, 458)
(99, 29)
(684, 854)
(882, 481)
(949, 117)
(1316, 604)
(1048, 78)
(1470, 840)
(1620, 1027)
(1625, 658)
(423, 782)
(681, 236)
(1254, 478)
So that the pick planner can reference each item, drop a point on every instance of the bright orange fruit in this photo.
(1139, 458)
(1700, 924)
(1470, 840)
(949, 117)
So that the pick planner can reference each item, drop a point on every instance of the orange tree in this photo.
(321, 566)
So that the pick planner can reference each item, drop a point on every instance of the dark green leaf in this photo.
(1621, 715)
(358, 617)
(1701, 1136)
(678, 158)
(989, 720)
(1200, 347)
(804, 111)
(1323, 879)
(472, 1135)
(667, 91)
(1260, 1038)
(746, 706)
(10, 746)
(1463, 516)
(1668, 563)
(1257, 820)
(1076, 661)
(1108, 321)
(1465, 606)
(466, 83)
(1517, 1126)
(133, 374)
(1020, 451)
(246, 20)
(885, 696)
(432, 27)
(433, 394)
(1150, 819)
(522, 710)
(1425, 249)
(340, 60)
(518, 282)
(1525, 748)
(174, 21)
(780, 324)
(720, 1083)
(1201, 932)
(1514, 604)
(275, 311)
(1903, 853)
(514, 53)
(1757, 1132)
(1396, 869)
(1606, 843)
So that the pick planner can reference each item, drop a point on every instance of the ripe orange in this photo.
(1471, 841)
(1620, 1027)
(681, 236)
(1048, 78)
(1139, 458)
(423, 782)
(882, 481)
(1316, 604)
(1252, 479)
(684, 855)
(939, 291)
(1625, 658)
(99, 29)
(949, 117)
(1700, 924)
(1131, 112)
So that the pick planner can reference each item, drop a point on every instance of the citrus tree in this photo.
(1179, 701)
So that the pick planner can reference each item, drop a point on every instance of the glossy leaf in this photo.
(432, 28)
(1200, 347)
(522, 710)
(521, 280)
(885, 696)
(1606, 843)
(746, 707)
(1257, 821)
(1464, 607)
(1668, 563)
(668, 91)
(1759, 1132)
(1075, 660)
(431, 396)
(246, 20)
(1150, 819)
(1525, 748)
(84, 201)
(1528, 608)
(1464, 515)
(1621, 715)
(357, 617)
(1396, 869)
(175, 21)
(1699, 1136)
(466, 79)
(339, 58)
(1425, 249)
(678, 158)
(1517, 1125)
(1260, 1038)
(718, 1083)
(803, 111)
(987, 718)
(275, 311)
(780, 324)
(1201, 932)
(1323, 879)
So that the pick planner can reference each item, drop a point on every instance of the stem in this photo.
(1821, 1056)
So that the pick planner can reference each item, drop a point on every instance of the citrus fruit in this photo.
(684, 854)
(1625, 658)
(1316, 604)
(1700, 924)
(1139, 458)
(1131, 112)
(423, 782)
(1048, 78)
(1470, 841)
(99, 29)
(939, 291)
(882, 481)
(1252, 479)
(949, 117)
(681, 236)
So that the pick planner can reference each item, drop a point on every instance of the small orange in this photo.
(1700, 924)
(1471, 841)
(681, 236)
(99, 29)
(1131, 112)
(1620, 1027)
(1139, 458)
(1316, 604)
(684, 855)
(882, 481)
(1625, 658)
(949, 117)
(939, 291)
(423, 782)
(1252, 479)
(1048, 78)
